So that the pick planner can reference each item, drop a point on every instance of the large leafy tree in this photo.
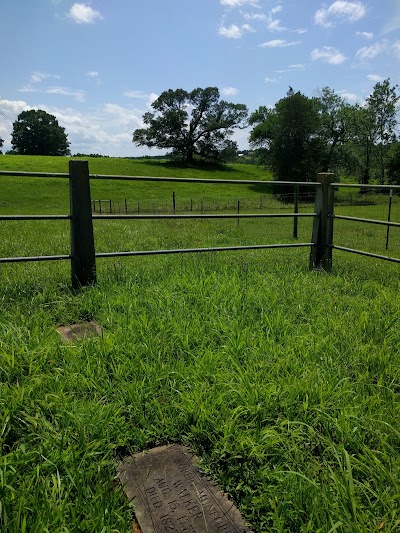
(289, 135)
(383, 106)
(38, 133)
(191, 123)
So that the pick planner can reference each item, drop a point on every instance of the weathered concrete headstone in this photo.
(74, 332)
(169, 494)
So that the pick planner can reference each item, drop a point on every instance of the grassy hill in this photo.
(19, 193)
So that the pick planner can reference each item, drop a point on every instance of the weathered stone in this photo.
(74, 332)
(170, 494)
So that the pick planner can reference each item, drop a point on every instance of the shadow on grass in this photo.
(197, 165)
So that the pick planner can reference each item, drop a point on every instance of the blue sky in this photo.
(98, 65)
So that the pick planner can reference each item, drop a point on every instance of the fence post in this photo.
(83, 262)
(322, 235)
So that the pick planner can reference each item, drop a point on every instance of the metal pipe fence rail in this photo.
(83, 255)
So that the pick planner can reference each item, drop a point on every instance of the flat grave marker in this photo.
(74, 332)
(170, 494)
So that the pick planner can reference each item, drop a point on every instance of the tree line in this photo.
(301, 136)
(295, 139)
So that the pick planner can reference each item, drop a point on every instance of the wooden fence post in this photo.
(83, 262)
(322, 235)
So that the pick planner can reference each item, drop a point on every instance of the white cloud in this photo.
(275, 25)
(271, 80)
(229, 91)
(94, 76)
(255, 16)
(291, 68)
(350, 97)
(375, 77)
(152, 97)
(136, 94)
(247, 27)
(300, 31)
(38, 77)
(234, 31)
(84, 14)
(396, 49)
(29, 89)
(367, 53)
(342, 10)
(13, 107)
(276, 9)
(328, 54)
(366, 34)
(36, 87)
(119, 113)
(239, 3)
(141, 95)
(231, 32)
(79, 96)
(278, 43)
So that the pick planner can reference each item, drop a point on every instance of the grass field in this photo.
(284, 381)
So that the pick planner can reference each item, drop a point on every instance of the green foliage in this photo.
(301, 136)
(289, 134)
(38, 133)
(192, 123)
(393, 168)
(335, 126)
(1, 144)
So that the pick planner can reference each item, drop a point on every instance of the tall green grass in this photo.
(284, 381)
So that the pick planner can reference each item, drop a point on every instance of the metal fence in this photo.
(83, 255)
(387, 223)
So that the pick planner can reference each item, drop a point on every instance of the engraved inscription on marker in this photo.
(169, 494)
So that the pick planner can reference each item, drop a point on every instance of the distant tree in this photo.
(289, 135)
(1, 144)
(192, 123)
(38, 133)
(383, 106)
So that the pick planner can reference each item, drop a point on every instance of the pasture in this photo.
(284, 381)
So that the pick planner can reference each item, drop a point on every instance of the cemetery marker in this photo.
(170, 494)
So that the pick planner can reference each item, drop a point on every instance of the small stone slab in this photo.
(170, 494)
(74, 332)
